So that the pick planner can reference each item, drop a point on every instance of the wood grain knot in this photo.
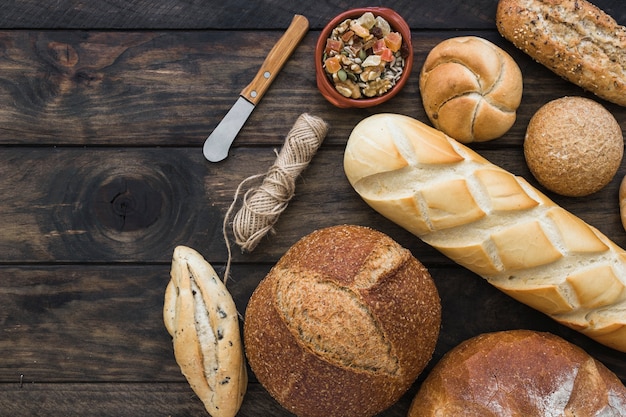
(132, 204)
(124, 205)
(63, 54)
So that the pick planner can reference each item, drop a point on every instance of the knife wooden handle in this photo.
(276, 59)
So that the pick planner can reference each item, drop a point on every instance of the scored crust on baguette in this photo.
(492, 222)
(573, 38)
(201, 316)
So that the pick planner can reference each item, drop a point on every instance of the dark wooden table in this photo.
(104, 107)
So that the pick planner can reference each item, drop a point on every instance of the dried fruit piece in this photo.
(367, 20)
(332, 65)
(333, 45)
(359, 30)
(393, 41)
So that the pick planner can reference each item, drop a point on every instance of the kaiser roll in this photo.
(519, 373)
(471, 89)
(573, 146)
(343, 324)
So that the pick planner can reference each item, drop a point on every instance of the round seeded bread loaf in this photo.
(573, 146)
(343, 324)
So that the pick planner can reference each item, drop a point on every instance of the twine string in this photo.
(262, 205)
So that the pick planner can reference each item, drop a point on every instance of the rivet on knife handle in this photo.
(218, 143)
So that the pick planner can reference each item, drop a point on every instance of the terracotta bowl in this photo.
(326, 86)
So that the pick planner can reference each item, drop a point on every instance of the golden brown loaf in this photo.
(202, 319)
(519, 373)
(471, 89)
(343, 324)
(573, 146)
(573, 38)
(492, 222)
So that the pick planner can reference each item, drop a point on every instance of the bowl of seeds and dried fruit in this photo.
(363, 57)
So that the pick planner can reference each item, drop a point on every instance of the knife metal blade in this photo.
(218, 143)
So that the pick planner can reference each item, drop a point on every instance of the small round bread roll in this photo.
(573, 146)
(471, 89)
(519, 373)
(343, 324)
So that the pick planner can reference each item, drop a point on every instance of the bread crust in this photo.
(573, 146)
(492, 222)
(202, 319)
(573, 38)
(521, 373)
(343, 324)
(471, 89)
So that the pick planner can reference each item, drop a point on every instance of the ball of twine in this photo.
(263, 205)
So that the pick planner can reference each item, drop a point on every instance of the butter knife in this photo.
(218, 143)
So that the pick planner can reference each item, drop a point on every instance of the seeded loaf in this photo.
(573, 38)
(343, 324)
(573, 146)
(519, 373)
(492, 222)
(470, 89)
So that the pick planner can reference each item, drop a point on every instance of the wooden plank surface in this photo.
(133, 205)
(261, 14)
(105, 107)
(171, 88)
(264, 14)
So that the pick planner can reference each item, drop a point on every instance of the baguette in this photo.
(202, 319)
(573, 38)
(492, 222)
